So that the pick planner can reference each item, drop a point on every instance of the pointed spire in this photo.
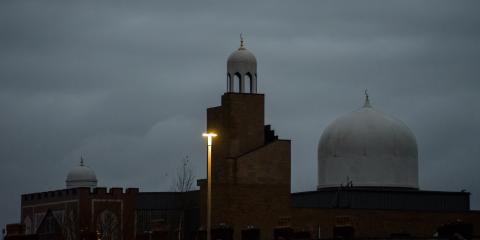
(367, 100)
(81, 161)
(241, 41)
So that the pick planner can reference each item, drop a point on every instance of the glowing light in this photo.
(209, 136)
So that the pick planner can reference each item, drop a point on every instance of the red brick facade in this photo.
(81, 212)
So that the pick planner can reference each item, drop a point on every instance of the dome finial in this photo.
(81, 160)
(241, 41)
(367, 100)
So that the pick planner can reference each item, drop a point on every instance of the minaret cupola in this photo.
(242, 70)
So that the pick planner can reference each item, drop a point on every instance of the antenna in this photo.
(367, 99)
(241, 40)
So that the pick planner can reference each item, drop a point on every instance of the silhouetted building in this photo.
(367, 174)
(367, 185)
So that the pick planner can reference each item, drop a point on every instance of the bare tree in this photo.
(185, 176)
(184, 183)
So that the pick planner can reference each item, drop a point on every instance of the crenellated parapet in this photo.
(112, 192)
(73, 193)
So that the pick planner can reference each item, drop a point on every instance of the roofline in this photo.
(147, 193)
(403, 190)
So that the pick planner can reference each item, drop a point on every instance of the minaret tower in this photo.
(242, 70)
(250, 165)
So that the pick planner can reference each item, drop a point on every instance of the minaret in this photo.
(242, 70)
(250, 165)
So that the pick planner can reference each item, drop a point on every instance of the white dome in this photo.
(242, 71)
(367, 148)
(81, 176)
(242, 61)
(242, 55)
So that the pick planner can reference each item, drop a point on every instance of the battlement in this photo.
(74, 193)
(114, 191)
(63, 193)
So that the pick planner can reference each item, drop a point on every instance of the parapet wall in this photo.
(75, 193)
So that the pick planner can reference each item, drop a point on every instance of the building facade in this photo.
(76, 213)
(367, 185)
(367, 173)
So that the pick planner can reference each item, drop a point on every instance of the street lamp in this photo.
(209, 137)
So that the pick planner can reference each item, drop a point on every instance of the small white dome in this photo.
(242, 71)
(81, 176)
(242, 62)
(242, 56)
(367, 148)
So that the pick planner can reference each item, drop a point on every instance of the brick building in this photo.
(78, 212)
(368, 175)
(368, 185)
(115, 213)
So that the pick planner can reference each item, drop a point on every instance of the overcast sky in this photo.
(128, 84)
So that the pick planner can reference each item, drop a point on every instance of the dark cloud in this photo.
(127, 84)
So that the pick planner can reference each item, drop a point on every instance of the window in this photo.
(248, 83)
(229, 83)
(236, 82)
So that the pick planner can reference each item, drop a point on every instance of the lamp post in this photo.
(209, 137)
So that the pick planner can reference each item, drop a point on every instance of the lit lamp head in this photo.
(209, 136)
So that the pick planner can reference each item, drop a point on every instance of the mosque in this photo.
(367, 185)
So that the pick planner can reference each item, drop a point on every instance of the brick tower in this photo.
(250, 165)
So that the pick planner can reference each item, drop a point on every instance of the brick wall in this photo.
(251, 178)
(78, 209)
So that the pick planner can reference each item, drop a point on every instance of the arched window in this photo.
(237, 82)
(229, 83)
(108, 225)
(249, 83)
(28, 225)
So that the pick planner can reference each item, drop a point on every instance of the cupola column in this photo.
(242, 83)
